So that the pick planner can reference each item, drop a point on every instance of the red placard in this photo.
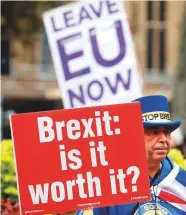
(80, 158)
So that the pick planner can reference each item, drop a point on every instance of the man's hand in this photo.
(85, 212)
(69, 213)
(66, 213)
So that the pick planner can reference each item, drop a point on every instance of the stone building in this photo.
(156, 27)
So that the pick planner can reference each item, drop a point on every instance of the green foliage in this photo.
(178, 157)
(8, 174)
(23, 19)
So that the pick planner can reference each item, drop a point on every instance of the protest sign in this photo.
(80, 158)
(93, 53)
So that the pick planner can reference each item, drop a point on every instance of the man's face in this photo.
(157, 142)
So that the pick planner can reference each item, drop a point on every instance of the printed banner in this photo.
(93, 53)
(80, 158)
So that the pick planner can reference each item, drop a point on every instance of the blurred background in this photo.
(28, 79)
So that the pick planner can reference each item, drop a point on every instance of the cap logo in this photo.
(159, 116)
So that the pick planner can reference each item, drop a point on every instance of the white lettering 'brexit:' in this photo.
(76, 129)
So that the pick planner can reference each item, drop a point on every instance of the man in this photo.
(167, 180)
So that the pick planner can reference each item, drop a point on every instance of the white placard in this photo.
(93, 53)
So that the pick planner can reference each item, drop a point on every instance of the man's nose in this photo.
(162, 136)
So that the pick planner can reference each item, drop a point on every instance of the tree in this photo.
(8, 175)
(23, 19)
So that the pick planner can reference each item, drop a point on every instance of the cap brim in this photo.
(172, 125)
